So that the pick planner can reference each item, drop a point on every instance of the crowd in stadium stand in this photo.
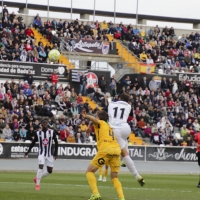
(24, 104)
(158, 113)
(167, 113)
(17, 41)
(173, 54)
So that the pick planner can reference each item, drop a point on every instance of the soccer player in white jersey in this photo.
(118, 115)
(45, 138)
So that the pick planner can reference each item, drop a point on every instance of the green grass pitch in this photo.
(73, 186)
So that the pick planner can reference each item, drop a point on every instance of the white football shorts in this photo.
(48, 161)
(121, 135)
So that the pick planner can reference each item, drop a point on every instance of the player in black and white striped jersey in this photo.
(46, 156)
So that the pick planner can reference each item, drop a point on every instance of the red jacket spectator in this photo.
(167, 93)
(29, 32)
(9, 95)
(130, 118)
(124, 30)
(171, 53)
(170, 103)
(192, 132)
(28, 47)
(79, 99)
(117, 35)
(54, 78)
(147, 131)
(64, 134)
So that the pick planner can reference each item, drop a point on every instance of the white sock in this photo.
(45, 174)
(131, 166)
(39, 176)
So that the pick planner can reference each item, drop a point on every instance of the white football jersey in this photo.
(118, 113)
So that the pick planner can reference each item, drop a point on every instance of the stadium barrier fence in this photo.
(88, 151)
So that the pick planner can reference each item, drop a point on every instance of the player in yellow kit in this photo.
(108, 154)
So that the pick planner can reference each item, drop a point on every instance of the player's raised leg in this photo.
(121, 135)
(93, 182)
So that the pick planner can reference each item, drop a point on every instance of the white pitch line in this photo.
(127, 188)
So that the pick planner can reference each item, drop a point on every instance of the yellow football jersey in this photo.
(105, 136)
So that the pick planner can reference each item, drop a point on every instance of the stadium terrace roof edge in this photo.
(100, 13)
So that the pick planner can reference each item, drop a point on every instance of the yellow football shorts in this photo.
(109, 156)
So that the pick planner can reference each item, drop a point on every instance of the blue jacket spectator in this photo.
(136, 31)
(28, 91)
(62, 126)
(22, 133)
(37, 23)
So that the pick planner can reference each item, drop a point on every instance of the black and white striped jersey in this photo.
(45, 139)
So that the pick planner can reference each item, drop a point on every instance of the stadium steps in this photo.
(131, 60)
(45, 42)
(91, 103)
(135, 140)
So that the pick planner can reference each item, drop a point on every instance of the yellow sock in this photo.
(92, 182)
(100, 171)
(106, 173)
(118, 187)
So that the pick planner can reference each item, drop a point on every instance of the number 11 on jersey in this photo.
(116, 111)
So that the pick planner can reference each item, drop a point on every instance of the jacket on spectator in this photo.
(54, 78)
(64, 135)
(38, 22)
(29, 32)
(71, 139)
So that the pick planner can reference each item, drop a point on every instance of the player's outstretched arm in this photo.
(31, 145)
(56, 145)
(91, 118)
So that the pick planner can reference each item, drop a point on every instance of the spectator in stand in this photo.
(79, 138)
(104, 27)
(5, 10)
(90, 92)
(153, 85)
(83, 82)
(23, 133)
(29, 77)
(30, 134)
(117, 35)
(29, 32)
(150, 60)
(71, 139)
(64, 134)
(143, 56)
(54, 78)
(103, 83)
(7, 133)
(83, 128)
(37, 23)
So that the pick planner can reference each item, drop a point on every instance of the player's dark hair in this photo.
(124, 97)
(102, 115)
